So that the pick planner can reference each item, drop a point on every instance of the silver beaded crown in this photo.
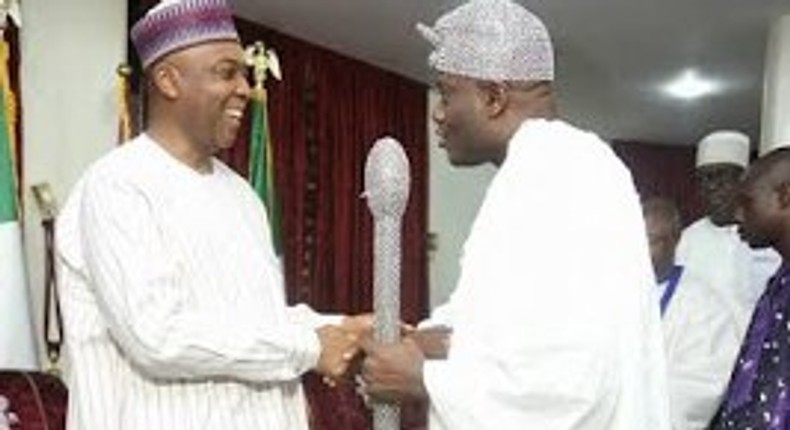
(495, 40)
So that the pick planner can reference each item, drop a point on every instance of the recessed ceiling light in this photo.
(690, 85)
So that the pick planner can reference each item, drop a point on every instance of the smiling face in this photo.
(212, 93)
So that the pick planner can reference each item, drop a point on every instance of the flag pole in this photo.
(123, 72)
(261, 170)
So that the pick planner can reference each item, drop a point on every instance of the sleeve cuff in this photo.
(307, 349)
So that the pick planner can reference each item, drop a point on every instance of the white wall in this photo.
(455, 195)
(69, 50)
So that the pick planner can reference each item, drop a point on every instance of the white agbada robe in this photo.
(555, 324)
(726, 263)
(173, 301)
(701, 341)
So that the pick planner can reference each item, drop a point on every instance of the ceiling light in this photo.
(689, 85)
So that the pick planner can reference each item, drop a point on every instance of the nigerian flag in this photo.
(262, 165)
(16, 334)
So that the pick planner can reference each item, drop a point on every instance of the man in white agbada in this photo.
(554, 320)
(711, 246)
(173, 298)
(701, 338)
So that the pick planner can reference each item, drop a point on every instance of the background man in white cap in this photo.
(711, 246)
(701, 338)
(554, 320)
(173, 298)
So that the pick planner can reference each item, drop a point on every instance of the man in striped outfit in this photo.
(173, 298)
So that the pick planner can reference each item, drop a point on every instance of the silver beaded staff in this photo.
(387, 190)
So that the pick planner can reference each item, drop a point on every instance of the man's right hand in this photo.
(338, 348)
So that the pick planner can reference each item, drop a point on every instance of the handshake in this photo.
(390, 372)
(341, 344)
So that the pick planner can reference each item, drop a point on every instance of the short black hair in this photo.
(773, 167)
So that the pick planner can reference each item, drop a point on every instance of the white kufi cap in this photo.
(725, 146)
(495, 40)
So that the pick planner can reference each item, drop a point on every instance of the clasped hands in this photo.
(340, 344)
(391, 372)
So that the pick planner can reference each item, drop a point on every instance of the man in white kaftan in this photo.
(173, 299)
(554, 323)
(545, 333)
(701, 337)
(701, 341)
(711, 246)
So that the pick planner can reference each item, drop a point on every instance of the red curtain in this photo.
(324, 117)
(663, 170)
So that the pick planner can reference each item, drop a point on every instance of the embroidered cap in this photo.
(496, 40)
(176, 24)
(724, 146)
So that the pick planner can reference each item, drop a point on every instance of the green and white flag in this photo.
(17, 350)
(262, 166)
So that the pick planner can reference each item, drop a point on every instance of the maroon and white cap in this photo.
(176, 24)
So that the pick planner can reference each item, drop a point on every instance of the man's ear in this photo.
(166, 79)
(783, 194)
(495, 98)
